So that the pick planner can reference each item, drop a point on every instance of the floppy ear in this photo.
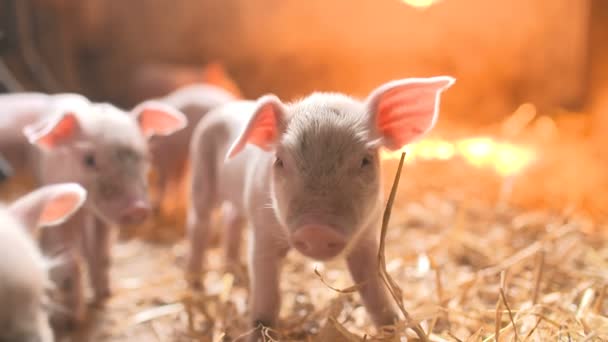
(54, 132)
(264, 127)
(156, 118)
(48, 206)
(402, 111)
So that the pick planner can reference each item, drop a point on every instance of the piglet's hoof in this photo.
(261, 332)
(260, 335)
(255, 336)
(157, 210)
(195, 282)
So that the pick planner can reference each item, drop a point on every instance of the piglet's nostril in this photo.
(318, 242)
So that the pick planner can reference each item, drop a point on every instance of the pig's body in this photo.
(169, 155)
(223, 183)
(23, 270)
(23, 283)
(104, 149)
(86, 238)
(154, 80)
(244, 184)
(312, 182)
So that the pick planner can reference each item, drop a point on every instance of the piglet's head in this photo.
(325, 176)
(106, 149)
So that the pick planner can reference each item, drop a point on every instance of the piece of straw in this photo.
(392, 287)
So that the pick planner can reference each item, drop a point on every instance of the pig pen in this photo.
(498, 229)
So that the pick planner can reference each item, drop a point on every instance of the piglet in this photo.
(23, 269)
(151, 80)
(305, 175)
(104, 149)
(169, 155)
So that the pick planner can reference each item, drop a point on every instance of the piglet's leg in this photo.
(97, 247)
(203, 199)
(198, 236)
(264, 272)
(363, 266)
(160, 185)
(63, 243)
(235, 222)
(68, 280)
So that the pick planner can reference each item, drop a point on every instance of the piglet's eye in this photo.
(278, 162)
(366, 161)
(89, 161)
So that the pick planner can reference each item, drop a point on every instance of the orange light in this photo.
(505, 158)
(420, 3)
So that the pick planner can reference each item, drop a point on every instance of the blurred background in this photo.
(503, 53)
(513, 177)
(521, 65)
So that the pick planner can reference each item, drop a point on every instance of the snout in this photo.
(318, 242)
(135, 214)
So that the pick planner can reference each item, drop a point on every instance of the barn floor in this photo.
(447, 260)
(475, 252)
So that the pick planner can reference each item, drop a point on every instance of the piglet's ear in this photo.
(49, 206)
(156, 118)
(402, 111)
(51, 133)
(264, 127)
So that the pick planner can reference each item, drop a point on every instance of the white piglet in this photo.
(305, 175)
(104, 149)
(169, 155)
(23, 269)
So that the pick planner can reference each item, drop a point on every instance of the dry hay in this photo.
(449, 268)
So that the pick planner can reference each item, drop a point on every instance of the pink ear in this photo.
(263, 127)
(60, 207)
(155, 118)
(50, 205)
(53, 133)
(405, 110)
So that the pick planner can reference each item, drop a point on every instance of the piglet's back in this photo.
(212, 139)
(222, 126)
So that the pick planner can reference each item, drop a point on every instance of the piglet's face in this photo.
(108, 150)
(326, 174)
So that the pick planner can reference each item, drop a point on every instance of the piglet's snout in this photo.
(136, 213)
(318, 242)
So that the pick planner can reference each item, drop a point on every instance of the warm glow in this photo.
(420, 3)
(505, 158)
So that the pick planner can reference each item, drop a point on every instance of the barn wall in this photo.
(502, 52)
